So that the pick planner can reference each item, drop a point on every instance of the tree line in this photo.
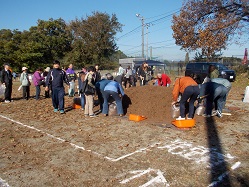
(83, 42)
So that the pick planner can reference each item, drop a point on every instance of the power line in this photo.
(161, 41)
(151, 23)
(129, 32)
(177, 10)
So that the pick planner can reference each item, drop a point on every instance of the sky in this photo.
(157, 15)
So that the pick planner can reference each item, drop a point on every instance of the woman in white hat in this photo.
(24, 79)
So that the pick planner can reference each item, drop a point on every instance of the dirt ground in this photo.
(43, 148)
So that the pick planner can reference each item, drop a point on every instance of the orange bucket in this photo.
(76, 103)
(187, 123)
(134, 117)
(76, 106)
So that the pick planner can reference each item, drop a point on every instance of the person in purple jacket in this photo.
(38, 80)
(71, 77)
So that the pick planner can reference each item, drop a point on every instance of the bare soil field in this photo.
(41, 148)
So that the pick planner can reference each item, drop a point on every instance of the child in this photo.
(55, 79)
(24, 79)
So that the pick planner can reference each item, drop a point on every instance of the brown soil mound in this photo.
(154, 102)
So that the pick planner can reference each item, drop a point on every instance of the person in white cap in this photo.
(24, 79)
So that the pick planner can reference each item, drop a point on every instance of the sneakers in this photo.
(7, 101)
(214, 113)
(219, 114)
(206, 116)
(56, 110)
(92, 116)
(180, 118)
(62, 112)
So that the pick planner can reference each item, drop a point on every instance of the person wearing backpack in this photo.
(24, 79)
(56, 77)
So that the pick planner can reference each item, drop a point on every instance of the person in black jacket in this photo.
(6, 79)
(56, 77)
(143, 74)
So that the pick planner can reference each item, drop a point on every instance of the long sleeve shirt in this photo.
(101, 84)
(37, 77)
(71, 74)
(115, 87)
(6, 76)
(90, 79)
(208, 88)
(56, 77)
(180, 85)
(164, 80)
(222, 81)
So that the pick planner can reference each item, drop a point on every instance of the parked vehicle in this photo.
(201, 69)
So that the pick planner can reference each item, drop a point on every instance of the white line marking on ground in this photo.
(220, 178)
(130, 154)
(198, 154)
(159, 179)
(3, 183)
(80, 147)
(178, 147)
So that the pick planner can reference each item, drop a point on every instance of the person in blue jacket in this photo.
(113, 89)
(100, 86)
(56, 77)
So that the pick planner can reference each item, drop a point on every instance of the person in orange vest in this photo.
(189, 90)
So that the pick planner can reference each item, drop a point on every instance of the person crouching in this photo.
(113, 89)
(190, 91)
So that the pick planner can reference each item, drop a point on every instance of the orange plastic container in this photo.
(134, 117)
(187, 123)
(76, 106)
(76, 103)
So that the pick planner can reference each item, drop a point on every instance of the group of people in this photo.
(212, 93)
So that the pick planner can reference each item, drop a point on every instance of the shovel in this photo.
(142, 80)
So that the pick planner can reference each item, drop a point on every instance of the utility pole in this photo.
(142, 20)
(150, 53)
(147, 55)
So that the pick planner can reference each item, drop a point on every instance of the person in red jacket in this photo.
(163, 80)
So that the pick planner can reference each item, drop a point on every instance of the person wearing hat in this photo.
(6, 79)
(45, 74)
(55, 79)
(24, 79)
